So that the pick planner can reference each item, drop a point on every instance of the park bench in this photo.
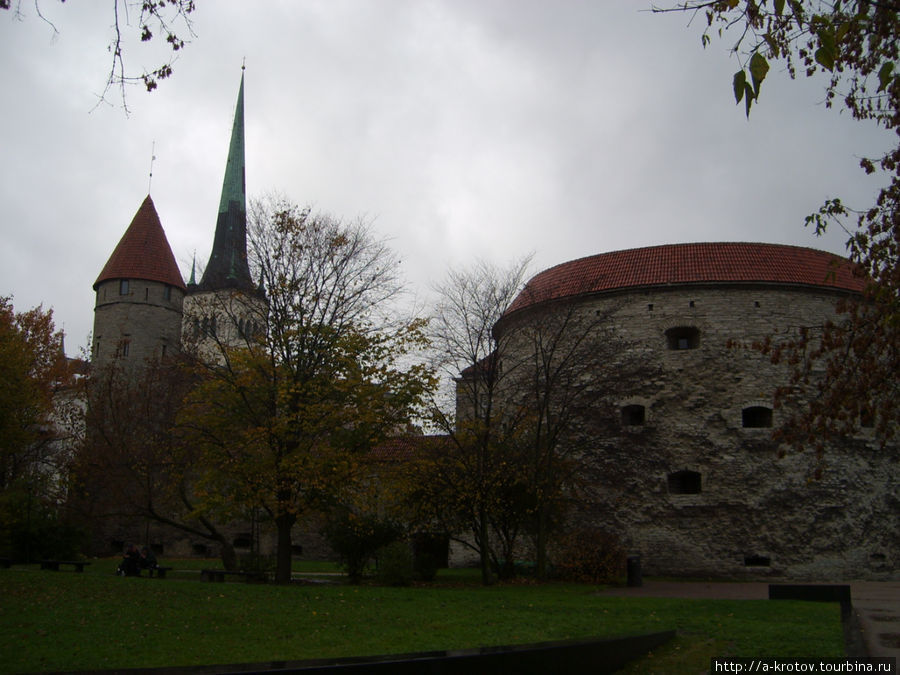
(219, 575)
(54, 564)
(160, 571)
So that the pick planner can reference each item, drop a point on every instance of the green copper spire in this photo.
(233, 187)
(227, 267)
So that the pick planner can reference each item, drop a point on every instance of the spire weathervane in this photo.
(152, 159)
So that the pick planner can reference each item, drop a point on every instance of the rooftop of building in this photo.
(690, 264)
(143, 252)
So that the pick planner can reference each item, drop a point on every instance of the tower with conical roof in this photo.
(139, 296)
(226, 306)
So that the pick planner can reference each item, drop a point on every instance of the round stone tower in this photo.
(681, 461)
(140, 297)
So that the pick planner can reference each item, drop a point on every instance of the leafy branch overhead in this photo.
(855, 46)
(134, 21)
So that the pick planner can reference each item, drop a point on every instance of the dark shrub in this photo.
(356, 538)
(589, 555)
(395, 564)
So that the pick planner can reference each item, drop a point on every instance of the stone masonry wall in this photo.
(148, 318)
(755, 514)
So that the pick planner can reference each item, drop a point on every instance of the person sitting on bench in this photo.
(131, 563)
(148, 560)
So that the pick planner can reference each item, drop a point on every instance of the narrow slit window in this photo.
(757, 561)
(633, 415)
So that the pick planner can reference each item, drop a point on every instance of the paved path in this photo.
(877, 604)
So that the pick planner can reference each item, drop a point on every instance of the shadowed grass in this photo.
(67, 621)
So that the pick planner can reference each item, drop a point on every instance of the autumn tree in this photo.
(35, 419)
(283, 416)
(853, 46)
(133, 465)
(133, 21)
(571, 368)
(473, 485)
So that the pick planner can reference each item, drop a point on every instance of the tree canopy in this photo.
(32, 366)
(284, 415)
(854, 46)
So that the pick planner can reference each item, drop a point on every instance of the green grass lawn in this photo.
(68, 621)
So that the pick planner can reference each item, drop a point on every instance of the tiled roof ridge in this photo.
(143, 252)
(690, 263)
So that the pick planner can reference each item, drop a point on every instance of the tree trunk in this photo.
(229, 557)
(487, 576)
(541, 543)
(284, 522)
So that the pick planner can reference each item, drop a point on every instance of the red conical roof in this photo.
(143, 252)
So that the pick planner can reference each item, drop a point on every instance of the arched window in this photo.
(633, 415)
(684, 482)
(682, 337)
(756, 417)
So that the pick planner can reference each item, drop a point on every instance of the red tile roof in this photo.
(143, 252)
(677, 264)
(406, 448)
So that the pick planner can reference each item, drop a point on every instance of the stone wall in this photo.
(146, 317)
(689, 486)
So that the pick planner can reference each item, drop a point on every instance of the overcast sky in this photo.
(462, 128)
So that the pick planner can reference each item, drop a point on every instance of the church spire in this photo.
(227, 266)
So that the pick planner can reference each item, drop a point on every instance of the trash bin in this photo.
(634, 571)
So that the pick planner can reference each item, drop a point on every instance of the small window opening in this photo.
(633, 415)
(756, 417)
(147, 293)
(650, 307)
(126, 347)
(123, 286)
(866, 418)
(684, 482)
(683, 337)
(757, 561)
(167, 293)
(691, 303)
(756, 303)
